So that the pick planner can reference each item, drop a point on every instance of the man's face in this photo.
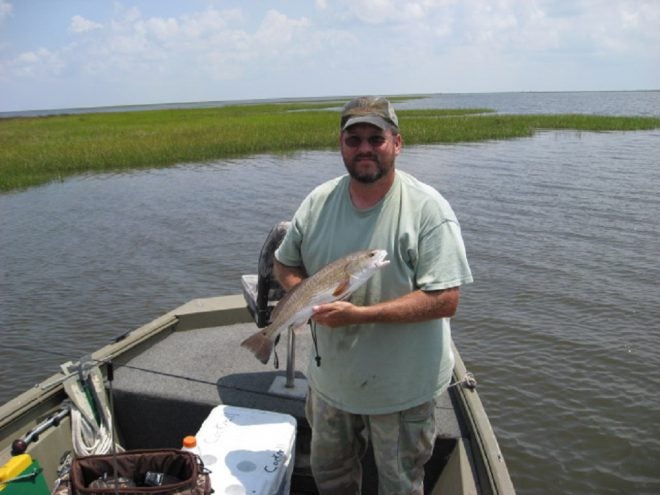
(369, 152)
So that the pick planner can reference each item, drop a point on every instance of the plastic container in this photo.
(31, 480)
(248, 451)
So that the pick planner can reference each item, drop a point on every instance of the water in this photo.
(645, 103)
(590, 102)
(562, 232)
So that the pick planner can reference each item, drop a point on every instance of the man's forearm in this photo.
(411, 308)
(288, 276)
(414, 307)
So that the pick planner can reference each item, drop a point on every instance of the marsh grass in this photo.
(42, 149)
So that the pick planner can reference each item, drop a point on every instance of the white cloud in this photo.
(395, 12)
(509, 24)
(5, 10)
(199, 25)
(81, 25)
(346, 47)
(627, 28)
(213, 44)
(278, 32)
(375, 11)
(38, 64)
(161, 29)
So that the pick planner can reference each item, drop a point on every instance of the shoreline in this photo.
(139, 107)
(38, 150)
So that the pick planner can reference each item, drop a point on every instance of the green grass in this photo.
(42, 149)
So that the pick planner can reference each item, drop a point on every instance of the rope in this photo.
(88, 439)
(88, 436)
(468, 380)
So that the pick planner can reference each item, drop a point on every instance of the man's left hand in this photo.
(335, 314)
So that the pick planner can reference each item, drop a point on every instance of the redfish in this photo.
(334, 282)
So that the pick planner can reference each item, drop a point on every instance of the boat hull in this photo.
(171, 372)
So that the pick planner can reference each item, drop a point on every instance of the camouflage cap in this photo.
(374, 110)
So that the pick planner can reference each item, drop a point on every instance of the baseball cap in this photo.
(374, 110)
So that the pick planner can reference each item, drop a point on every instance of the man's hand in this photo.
(336, 314)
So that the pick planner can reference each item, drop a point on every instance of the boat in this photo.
(163, 380)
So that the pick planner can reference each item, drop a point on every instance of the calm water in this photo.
(563, 236)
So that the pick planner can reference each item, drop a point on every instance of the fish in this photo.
(334, 282)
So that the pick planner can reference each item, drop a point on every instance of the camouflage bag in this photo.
(163, 471)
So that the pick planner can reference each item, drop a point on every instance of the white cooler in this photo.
(248, 451)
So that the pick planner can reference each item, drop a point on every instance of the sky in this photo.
(90, 53)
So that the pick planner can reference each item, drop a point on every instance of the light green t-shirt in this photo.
(381, 368)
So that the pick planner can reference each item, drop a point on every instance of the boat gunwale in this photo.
(482, 435)
(198, 313)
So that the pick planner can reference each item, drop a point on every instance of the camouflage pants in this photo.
(402, 443)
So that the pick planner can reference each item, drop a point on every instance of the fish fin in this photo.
(342, 287)
(260, 345)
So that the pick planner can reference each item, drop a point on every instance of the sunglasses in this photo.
(356, 141)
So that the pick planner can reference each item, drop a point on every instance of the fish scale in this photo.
(334, 282)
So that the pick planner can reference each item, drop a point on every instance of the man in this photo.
(386, 354)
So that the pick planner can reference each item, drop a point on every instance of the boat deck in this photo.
(176, 394)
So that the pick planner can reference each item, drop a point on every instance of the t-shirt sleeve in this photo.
(442, 262)
(289, 251)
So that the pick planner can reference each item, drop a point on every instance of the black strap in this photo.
(276, 358)
(317, 358)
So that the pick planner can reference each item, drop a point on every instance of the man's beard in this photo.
(371, 176)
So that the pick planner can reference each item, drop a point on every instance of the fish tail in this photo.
(260, 345)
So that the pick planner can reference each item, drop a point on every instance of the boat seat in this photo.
(262, 291)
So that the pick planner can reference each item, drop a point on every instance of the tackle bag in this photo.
(139, 472)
